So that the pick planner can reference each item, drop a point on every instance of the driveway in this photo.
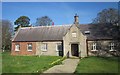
(68, 66)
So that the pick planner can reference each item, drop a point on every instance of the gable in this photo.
(73, 34)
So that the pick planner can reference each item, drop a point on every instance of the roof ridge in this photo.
(47, 26)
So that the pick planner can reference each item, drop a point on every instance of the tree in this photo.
(106, 24)
(109, 15)
(7, 31)
(0, 34)
(22, 21)
(43, 21)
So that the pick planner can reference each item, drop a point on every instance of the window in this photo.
(112, 45)
(29, 47)
(94, 47)
(74, 34)
(44, 47)
(87, 32)
(17, 47)
(58, 47)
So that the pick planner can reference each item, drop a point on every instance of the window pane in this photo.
(111, 46)
(29, 46)
(94, 46)
(74, 34)
(59, 47)
(17, 47)
(44, 47)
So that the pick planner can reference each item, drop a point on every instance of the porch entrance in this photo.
(74, 50)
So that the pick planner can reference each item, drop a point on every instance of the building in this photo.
(66, 40)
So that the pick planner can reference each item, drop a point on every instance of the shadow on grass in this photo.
(96, 74)
(61, 74)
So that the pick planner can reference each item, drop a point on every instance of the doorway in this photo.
(74, 50)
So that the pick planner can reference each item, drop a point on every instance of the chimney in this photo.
(76, 19)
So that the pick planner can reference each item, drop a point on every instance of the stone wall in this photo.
(103, 48)
(80, 39)
(51, 48)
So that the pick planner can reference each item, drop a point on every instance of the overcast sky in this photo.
(60, 12)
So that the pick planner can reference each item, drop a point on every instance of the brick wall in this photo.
(23, 48)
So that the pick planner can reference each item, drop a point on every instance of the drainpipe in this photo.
(87, 47)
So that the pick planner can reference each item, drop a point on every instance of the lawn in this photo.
(26, 64)
(98, 65)
(0, 63)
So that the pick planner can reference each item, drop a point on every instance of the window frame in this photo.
(17, 48)
(57, 46)
(112, 46)
(44, 47)
(28, 47)
(94, 47)
(87, 32)
(74, 34)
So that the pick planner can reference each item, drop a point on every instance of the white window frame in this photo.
(112, 46)
(94, 46)
(28, 46)
(74, 34)
(44, 47)
(57, 46)
(17, 47)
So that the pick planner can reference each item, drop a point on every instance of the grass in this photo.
(26, 64)
(0, 62)
(98, 65)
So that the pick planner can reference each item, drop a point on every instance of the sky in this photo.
(60, 0)
(60, 12)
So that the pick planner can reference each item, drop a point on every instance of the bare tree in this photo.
(43, 21)
(109, 15)
(106, 24)
(0, 35)
(7, 29)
